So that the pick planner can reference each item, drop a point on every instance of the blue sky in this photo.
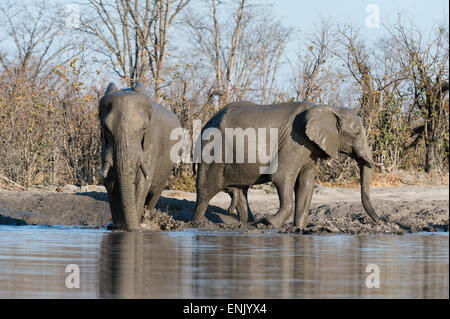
(305, 14)
(306, 17)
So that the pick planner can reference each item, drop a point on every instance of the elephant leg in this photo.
(239, 202)
(242, 207)
(303, 193)
(152, 198)
(142, 190)
(202, 203)
(285, 194)
(118, 218)
(208, 185)
(233, 192)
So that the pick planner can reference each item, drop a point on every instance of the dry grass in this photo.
(184, 182)
(395, 179)
(444, 179)
(387, 179)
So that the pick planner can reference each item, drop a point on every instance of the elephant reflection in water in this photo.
(142, 265)
(157, 265)
(149, 265)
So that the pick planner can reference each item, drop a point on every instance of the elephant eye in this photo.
(353, 129)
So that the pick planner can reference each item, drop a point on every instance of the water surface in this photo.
(194, 264)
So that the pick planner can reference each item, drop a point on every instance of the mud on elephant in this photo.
(306, 132)
(136, 152)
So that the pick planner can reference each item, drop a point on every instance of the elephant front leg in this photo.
(201, 205)
(207, 186)
(303, 193)
(118, 218)
(153, 197)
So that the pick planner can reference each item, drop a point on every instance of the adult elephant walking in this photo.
(136, 152)
(306, 132)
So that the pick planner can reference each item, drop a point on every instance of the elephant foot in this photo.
(250, 221)
(113, 226)
(245, 220)
(133, 228)
(199, 219)
(273, 220)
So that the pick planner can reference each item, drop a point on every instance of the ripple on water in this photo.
(199, 264)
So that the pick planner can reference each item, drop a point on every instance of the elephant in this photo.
(136, 161)
(239, 203)
(306, 132)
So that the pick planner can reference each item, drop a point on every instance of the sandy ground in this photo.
(334, 210)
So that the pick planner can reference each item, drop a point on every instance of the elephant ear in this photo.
(139, 87)
(111, 89)
(103, 101)
(322, 129)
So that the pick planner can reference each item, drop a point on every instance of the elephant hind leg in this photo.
(242, 207)
(233, 192)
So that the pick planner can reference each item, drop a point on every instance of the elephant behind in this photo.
(306, 132)
(136, 152)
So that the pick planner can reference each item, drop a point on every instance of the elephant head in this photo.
(340, 130)
(124, 116)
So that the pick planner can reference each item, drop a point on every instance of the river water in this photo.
(49, 262)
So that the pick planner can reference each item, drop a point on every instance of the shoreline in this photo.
(402, 209)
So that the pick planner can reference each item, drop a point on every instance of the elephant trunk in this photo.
(366, 174)
(128, 199)
(107, 161)
(126, 169)
(362, 154)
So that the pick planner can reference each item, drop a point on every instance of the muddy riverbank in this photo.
(401, 209)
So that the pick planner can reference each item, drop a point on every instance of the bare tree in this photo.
(135, 34)
(425, 63)
(374, 74)
(245, 53)
(310, 73)
(271, 56)
(359, 62)
(209, 41)
(33, 38)
(259, 56)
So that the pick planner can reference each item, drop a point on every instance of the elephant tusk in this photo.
(144, 169)
(105, 169)
(371, 162)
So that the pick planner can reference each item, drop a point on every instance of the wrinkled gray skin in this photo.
(136, 152)
(239, 203)
(306, 132)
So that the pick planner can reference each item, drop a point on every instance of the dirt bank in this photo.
(333, 210)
